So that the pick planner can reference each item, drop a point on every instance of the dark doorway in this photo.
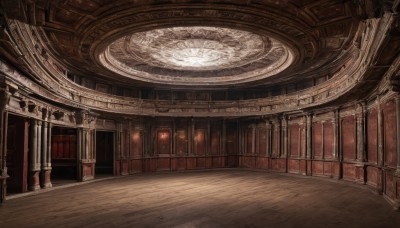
(64, 153)
(17, 154)
(104, 153)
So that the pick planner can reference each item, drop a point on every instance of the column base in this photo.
(361, 173)
(397, 173)
(45, 178)
(34, 180)
(3, 184)
(87, 170)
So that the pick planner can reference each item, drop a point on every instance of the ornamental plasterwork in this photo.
(196, 55)
(339, 83)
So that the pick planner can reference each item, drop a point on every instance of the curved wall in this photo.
(346, 127)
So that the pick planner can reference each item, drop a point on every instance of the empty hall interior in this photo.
(199, 113)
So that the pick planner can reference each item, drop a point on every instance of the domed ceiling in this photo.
(205, 44)
(196, 55)
(199, 57)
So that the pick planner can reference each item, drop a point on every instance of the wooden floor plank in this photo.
(218, 198)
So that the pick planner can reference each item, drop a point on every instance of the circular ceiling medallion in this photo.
(196, 55)
(194, 48)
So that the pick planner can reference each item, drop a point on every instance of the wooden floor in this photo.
(217, 198)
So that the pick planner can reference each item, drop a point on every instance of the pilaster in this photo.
(284, 141)
(361, 146)
(308, 144)
(268, 138)
(4, 99)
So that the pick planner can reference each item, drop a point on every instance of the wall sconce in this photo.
(163, 135)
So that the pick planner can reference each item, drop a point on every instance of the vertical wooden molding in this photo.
(268, 138)
(223, 141)
(323, 140)
(336, 138)
(309, 136)
(284, 135)
(397, 99)
(253, 140)
(380, 133)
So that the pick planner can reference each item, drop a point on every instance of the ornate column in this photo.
(45, 181)
(4, 99)
(34, 154)
(85, 144)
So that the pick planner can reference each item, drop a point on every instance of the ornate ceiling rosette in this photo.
(196, 55)
(191, 45)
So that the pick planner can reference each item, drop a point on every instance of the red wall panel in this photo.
(136, 166)
(262, 163)
(318, 168)
(200, 142)
(349, 172)
(390, 185)
(294, 140)
(302, 141)
(262, 141)
(293, 166)
(164, 141)
(317, 140)
(372, 134)
(63, 146)
(215, 142)
(137, 143)
(374, 175)
(328, 169)
(248, 162)
(249, 141)
(389, 124)
(328, 140)
(230, 142)
(348, 137)
(181, 142)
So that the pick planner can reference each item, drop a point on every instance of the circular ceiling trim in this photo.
(196, 55)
